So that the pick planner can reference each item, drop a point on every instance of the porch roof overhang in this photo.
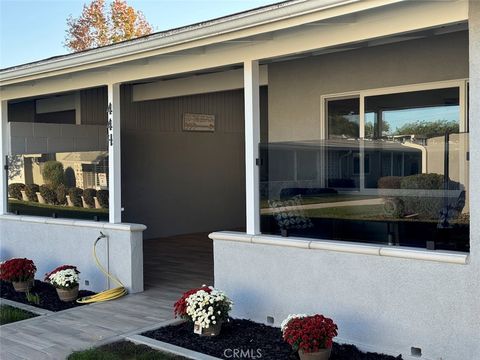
(279, 30)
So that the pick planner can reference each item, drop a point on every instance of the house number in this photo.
(110, 123)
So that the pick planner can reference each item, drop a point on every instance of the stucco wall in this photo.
(380, 303)
(54, 242)
(295, 86)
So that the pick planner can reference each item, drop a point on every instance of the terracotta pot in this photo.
(213, 329)
(323, 354)
(23, 286)
(68, 294)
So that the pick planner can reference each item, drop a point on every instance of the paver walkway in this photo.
(56, 335)
(172, 265)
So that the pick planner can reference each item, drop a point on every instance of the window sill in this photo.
(74, 222)
(450, 257)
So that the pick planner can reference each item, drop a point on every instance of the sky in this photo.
(31, 30)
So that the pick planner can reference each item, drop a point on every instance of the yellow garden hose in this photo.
(106, 295)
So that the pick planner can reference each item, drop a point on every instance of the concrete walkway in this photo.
(55, 336)
(172, 265)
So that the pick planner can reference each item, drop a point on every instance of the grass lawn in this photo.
(33, 208)
(9, 314)
(123, 350)
(349, 212)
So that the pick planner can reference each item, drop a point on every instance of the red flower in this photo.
(17, 270)
(180, 307)
(310, 333)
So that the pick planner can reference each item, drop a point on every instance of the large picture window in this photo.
(391, 168)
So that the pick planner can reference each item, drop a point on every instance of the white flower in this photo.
(202, 305)
(285, 322)
(67, 278)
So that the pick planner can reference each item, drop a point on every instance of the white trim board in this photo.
(200, 84)
(442, 256)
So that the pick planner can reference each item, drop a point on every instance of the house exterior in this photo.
(335, 132)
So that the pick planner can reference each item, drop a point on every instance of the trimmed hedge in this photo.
(48, 194)
(75, 194)
(53, 173)
(15, 190)
(389, 182)
(102, 196)
(88, 195)
(61, 192)
(428, 207)
(31, 192)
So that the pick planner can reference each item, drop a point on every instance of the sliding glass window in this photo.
(389, 168)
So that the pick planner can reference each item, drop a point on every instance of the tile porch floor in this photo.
(171, 265)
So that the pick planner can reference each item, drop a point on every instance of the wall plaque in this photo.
(198, 122)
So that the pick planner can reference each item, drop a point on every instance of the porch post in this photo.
(114, 160)
(474, 127)
(3, 155)
(252, 140)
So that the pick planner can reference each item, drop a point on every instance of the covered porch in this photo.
(207, 130)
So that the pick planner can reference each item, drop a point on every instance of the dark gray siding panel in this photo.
(183, 182)
(93, 106)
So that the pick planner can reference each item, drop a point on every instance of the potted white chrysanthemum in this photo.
(206, 307)
(65, 279)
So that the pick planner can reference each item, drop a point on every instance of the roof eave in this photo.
(188, 37)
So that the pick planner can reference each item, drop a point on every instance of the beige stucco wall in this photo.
(295, 86)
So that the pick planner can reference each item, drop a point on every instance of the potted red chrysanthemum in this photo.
(312, 336)
(20, 272)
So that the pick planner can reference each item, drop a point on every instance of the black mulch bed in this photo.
(48, 296)
(249, 336)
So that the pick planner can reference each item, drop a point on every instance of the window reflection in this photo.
(405, 183)
(70, 185)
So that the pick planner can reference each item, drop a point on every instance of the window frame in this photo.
(462, 85)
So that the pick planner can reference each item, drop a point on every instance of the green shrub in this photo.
(31, 192)
(15, 190)
(48, 194)
(102, 196)
(428, 206)
(88, 195)
(70, 180)
(75, 194)
(61, 191)
(389, 182)
(422, 181)
(53, 173)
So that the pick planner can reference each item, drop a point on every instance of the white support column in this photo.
(4, 140)
(114, 159)
(252, 140)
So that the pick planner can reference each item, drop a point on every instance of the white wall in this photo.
(54, 242)
(380, 303)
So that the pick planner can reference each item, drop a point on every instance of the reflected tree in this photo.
(15, 166)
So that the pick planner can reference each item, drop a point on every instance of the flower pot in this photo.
(68, 294)
(213, 329)
(23, 286)
(322, 354)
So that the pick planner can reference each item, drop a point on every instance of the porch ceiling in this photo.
(271, 34)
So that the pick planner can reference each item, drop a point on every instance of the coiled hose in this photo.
(106, 295)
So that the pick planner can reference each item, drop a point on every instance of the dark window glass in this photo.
(405, 184)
